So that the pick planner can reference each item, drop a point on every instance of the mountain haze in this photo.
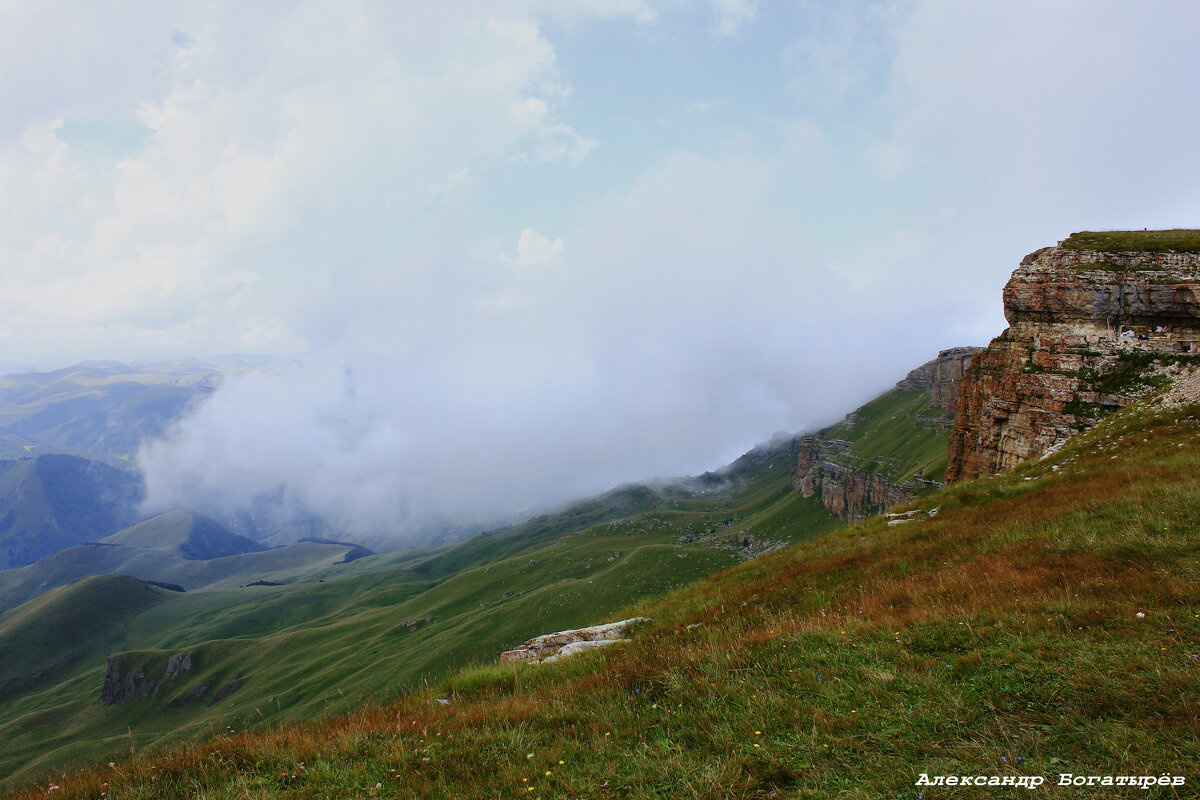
(52, 502)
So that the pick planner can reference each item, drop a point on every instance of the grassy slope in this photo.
(193, 536)
(308, 650)
(1000, 637)
(177, 547)
(887, 436)
(281, 564)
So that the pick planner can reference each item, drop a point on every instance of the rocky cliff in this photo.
(1095, 323)
(130, 677)
(888, 451)
(941, 376)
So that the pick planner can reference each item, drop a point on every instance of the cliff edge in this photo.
(1095, 323)
(890, 450)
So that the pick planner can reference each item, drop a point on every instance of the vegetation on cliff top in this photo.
(1180, 240)
(897, 433)
(1045, 621)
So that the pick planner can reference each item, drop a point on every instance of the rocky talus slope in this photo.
(1093, 326)
(890, 450)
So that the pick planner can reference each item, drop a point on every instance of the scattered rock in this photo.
(578, 647)
(180, 662)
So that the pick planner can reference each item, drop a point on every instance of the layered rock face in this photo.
(941, 376)
(824, 468)
(1089, 331)
(845, 492)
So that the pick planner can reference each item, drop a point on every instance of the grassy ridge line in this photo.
(228, 572)
(1181, 240)
(1000, 637)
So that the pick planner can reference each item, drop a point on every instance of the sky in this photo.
(533, 249)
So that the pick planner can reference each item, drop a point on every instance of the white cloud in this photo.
(534, 249)
(841, 49)
(320, 176)
(684, 323)
(640, 11)
(257, 148)
(729, 16)
(703, 106)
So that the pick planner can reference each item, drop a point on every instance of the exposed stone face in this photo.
(941, 376)
(857, 494)
(125, 680)
(122, 685)
(844, 492)
(1086, 330)
(553, 646)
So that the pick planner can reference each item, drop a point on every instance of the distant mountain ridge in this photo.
(178, 548)
(56, 501)
(104, 409)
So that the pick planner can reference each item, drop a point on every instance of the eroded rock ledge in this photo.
(1090, 331)
(851, 494)
(553, 646)
(941, 376)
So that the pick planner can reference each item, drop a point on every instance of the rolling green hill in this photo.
(178, 548)
(193, 536)
(1042, 622)
(339, 634)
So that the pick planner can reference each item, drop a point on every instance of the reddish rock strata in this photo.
(856, 494)
(1089, 332)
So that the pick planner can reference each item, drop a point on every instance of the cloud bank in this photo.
(524, 265)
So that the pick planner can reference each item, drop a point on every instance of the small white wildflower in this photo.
(1141, 615)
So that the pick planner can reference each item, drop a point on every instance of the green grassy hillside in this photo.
(1045, 621)
(1181, 240)
(896, 433)
(169, 565)
(193, 536)
(87, 617)
(343, 634)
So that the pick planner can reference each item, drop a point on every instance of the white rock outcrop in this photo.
(553, 646)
